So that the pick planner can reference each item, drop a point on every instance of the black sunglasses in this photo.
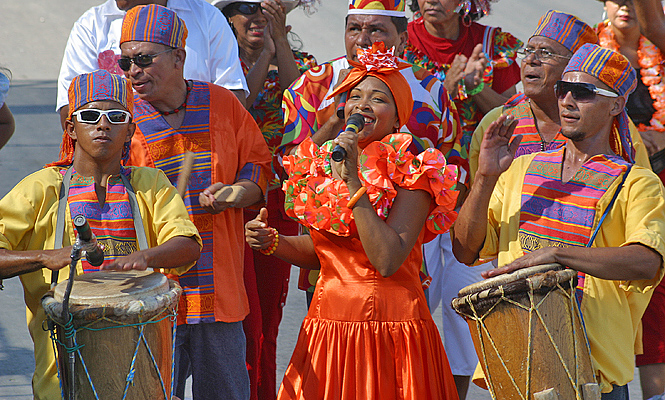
(580, 91)
(141, 61)
(246, 8)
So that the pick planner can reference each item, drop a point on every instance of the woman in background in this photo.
(270, 65)
(6, 118)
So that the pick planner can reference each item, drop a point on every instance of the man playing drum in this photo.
(544, 208)
(557, 36)
(97, 136)
(174, 115)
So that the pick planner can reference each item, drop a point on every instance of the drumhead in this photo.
(507, 278)
(126, 296)
(109, 287)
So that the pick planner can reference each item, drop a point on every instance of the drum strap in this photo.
(62, 206)
(609, 207)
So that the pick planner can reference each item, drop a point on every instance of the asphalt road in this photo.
(33, 34)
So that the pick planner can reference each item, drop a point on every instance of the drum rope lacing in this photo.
(70, 333)
(482, 328)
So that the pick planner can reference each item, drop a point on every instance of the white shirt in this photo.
(212, 50)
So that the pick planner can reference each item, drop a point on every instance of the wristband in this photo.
(476, 90)
(273, 246)
(356, 196)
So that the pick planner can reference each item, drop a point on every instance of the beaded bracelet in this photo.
(356, 196)
(479, 88)
(273, 246)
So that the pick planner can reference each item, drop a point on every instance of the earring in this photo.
(604, 16)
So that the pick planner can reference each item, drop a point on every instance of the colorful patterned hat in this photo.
(153, 23)
(99, 85)
(390, 8)
(614, 70)
(565, 29)
(382, 64)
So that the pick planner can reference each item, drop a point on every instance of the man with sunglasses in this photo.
(586, 206)
(557, 36)
(97, 135)
(230, 172)
(212, 50)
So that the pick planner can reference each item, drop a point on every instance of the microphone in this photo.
(93, 253)
(354, 124)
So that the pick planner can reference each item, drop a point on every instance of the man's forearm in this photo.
(471, 226)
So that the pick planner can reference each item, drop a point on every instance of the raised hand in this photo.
(455, 74)
(497, 151)
(258, 235)
(474, 70)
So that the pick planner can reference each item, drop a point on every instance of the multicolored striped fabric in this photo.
(391, 8)
(100, 85)
(153, 23)
(614, 70)
(519, 107)
(112, 223)
(167, 147)
(561, 214)
(565, 29)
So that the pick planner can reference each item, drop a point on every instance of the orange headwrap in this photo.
(382, 64)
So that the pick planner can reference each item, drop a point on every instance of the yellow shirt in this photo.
(28, 216)
(612, 310)
(641, 155)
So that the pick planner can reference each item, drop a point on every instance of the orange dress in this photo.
(366, 336)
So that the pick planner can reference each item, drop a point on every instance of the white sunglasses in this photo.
(93, 115)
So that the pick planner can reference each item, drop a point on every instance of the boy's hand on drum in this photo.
(57, 259)
(136, 260)
(258, 234)
(542, 256)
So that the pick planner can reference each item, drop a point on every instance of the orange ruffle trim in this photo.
(319, 201)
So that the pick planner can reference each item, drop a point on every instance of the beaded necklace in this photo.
(182, 106)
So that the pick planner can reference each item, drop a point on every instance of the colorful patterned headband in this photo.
(382, 64)
(565, 29)
(614, 70)
(390, 8)
(153, 23)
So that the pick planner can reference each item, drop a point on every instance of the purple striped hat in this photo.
(565, 29)
(153, 23)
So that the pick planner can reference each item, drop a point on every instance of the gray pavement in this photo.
(33, 34)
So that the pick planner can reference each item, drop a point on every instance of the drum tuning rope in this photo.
(533, 308)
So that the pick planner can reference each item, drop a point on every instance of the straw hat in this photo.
(289, 4)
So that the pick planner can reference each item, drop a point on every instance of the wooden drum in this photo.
(528, 334)
(123, 334)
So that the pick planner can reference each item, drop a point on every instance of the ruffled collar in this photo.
(319, 201)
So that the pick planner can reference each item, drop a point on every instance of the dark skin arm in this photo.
(652, 21)
(296, 250)
(14, 263)
(496, 155)
(632, 262)
(175, 252)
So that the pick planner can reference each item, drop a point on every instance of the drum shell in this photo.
(108, 337)
(525, 343)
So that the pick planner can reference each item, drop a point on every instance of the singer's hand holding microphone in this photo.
(345, 152)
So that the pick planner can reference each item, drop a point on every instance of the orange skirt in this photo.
(368, 360)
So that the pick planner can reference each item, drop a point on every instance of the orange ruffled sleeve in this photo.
(318, 201)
